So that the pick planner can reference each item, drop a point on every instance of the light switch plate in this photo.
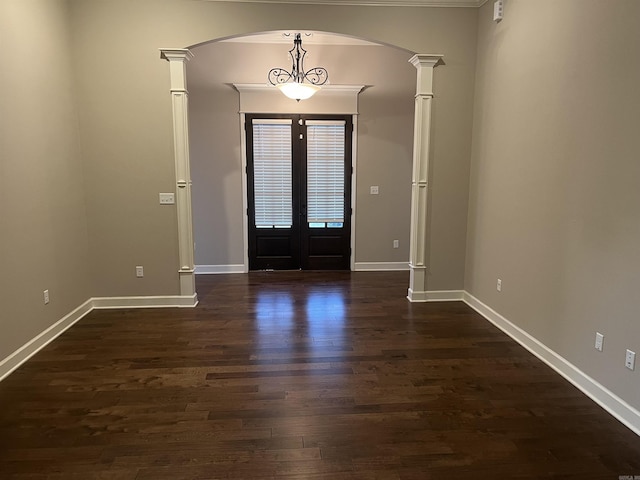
(630, 359)
(498, 10)
(167, 198)
(599, 341)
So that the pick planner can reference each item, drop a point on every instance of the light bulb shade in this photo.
(298, 91)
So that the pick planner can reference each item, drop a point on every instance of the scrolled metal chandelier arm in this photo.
(278, 76)
(315, 76)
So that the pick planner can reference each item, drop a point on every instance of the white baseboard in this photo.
(33, 346)
(608, 400)
(435, 296)
(380, 266)
(215, 269)
(184, 301)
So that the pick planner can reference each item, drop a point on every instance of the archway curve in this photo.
(265, 34)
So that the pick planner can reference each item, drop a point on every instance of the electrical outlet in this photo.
(630, 359)
(499, 285)
(46, 296)
(599, 341)
(396, 243)
(139, 271)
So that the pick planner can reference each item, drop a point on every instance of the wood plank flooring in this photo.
(300, 376)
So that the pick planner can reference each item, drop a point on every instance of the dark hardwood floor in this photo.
(301, 376)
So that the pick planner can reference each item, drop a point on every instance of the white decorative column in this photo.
(177, 59)
(419, 181)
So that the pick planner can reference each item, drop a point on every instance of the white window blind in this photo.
(325, 171)
(272, 179)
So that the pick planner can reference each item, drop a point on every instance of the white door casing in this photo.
(334, 99)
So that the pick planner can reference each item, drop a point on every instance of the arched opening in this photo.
(384, 162)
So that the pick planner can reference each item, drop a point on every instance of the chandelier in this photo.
(298, 84)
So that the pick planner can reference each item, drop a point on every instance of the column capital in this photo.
(422, 60)
(176, 54)
(177, 58)
(425, 65)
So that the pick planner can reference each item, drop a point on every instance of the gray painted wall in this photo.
(43, 221)
(554, 199)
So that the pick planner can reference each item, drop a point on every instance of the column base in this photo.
(188, 284)
(417, 296)
(417, 284)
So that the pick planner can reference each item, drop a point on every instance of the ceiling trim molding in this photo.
(373, 3)
(262, 98)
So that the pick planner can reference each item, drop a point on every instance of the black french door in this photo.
(299, 191)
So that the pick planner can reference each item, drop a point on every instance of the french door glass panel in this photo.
(325, 173)
(272, 170)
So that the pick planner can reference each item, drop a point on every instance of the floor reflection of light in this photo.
(325, 314)
(287, 329)
(274, 325)
(274, 311)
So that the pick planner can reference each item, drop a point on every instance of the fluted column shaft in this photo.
(424, 64)
(177, 59)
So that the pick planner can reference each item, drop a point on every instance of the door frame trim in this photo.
(245, 195)
(354, 169)
(259, 98)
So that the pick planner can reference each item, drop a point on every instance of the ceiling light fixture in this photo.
(298, 84)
